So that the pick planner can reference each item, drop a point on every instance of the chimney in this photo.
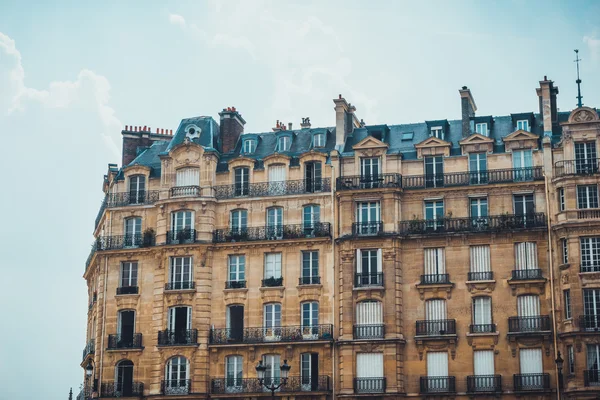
(468, 108)
(305, 124)
(289, 126)
(231, 127)
(136, 138)
(278, 126)
(547, 95)
(345, 120)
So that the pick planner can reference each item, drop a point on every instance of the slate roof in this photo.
(149, 158)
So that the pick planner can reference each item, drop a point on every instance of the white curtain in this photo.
(526, 255)
(369, 365)
(434, 261)
(435, 310)
(483, 362)
(276, 173)
(480, 258)
(273, 265)
(437, 363)
(528, 306)
(531, 361)
(482, 311)
(369, 313)
(188, 177)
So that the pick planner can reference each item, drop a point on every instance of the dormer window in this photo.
(319, 140)
(437, 131)
(249, 146)
(284, 143)
(482, 128)
(523, 124)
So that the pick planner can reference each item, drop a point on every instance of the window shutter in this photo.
(379, 261)
(483, 362)
(358, 261)
(189, 317)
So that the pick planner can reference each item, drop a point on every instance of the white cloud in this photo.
(593, 47)
(177, 19)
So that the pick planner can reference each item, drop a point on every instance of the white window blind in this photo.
(276, 173)
(531, 361)
(482, 311)
(435, 309)
(369, 365)
(528, 306)
(483, 362)
(437, 363)
(480, 258)
(188, 177)
(369, 313)
(273, 265)
(434, 261)
(526, 255)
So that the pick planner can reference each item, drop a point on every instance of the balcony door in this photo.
(483, 368)
(587, 196)
(369, 267)
(368, 214)
(591, 308)
(124, 378)
(478, 168)
(369, 172)
(273, 268)
(272, 321)
(182, 224)
(311, 218)
(435, 314)
(435, 265)
(480, 263)
(187, 177)
(233, 374)
(238, 221)
(482, 314)
(524, 207)
(585, 158)
(528, 307)
(133, 232)
(434, 171)
(590, 254)
(369, 319)
(522, 165)
(530, 361)
(180, 322)
(309, 371)
(479, 213)
(369, 372)
(275, 223)
(313, 177)
(277, 179)
(437, 371)
(273, 372)
(434, 214)
(235, 323)
(181, 273)
(310, 320)
(593, 364)
(126, 328)
(177, 374)
(241, 181)
(526, 262)
(137, 189)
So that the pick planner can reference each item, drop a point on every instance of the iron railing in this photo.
(436, 327)
(280, 188)
(589, 268)
(482, 328)
(91, 255)
(379, 181)
(373, 228)
(531, 382)
(184, 191)
(538, 323)
(435, 279)
(178, 337)
(185, 285)
(120, 341)
(235, 284)
(101, 211)
(437, 384)
(369, 385)
(590, 213)
(587, 166)
(273, 334)
(469, 178)
(125, 241)
(493, 223)
(481, 276)
(252, 385)
(277, 232)
(589, 323)
(272, 282)
(526, 274)
(484, 383)
(369, 331)
(591, 377)
(89, 348)
(127, 290)
(121, 389)
(176, 386)
(309, 280)
(368, 280)
(181, 236)
(132, 198)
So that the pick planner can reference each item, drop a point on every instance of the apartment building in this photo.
(449, 258)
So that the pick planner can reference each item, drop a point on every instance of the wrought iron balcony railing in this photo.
(277, 232)
(251, 385)
(309, 280)
(125, 241)
(127, 290)
(178, 337)
(589, 268)
(526, 274)
(369, 331)
(365, 279)
(468, 178)
(591, 377)
(373, 228)
(235, 284)
(266, 189)
(89, 348)
(590, 323)
(132, 198)
(379, 181)
(484, 384)
(185, 285)
(369, 385)
(587, 166)
(101, 211)
(120, 341)
(493, 223)
(437, 384)
(482, 328)
(481, 276)
(176, 386)
(273, 334)
(185, 191)
(436, 327)
(181, 236)
(121, 389)
(435, 279)
(538, 323)
(272, 282)
(531, 382)
(93, 249)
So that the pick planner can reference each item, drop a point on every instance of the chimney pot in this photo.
(126, 127)
(464, 88)
(171, 132)
(545, 77)
(289, 126)
(136, 129)
(340, 96)
(233, 109)
(157, 130)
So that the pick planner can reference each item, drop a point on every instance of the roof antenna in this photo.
(578, 81)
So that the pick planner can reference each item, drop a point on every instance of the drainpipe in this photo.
(333, 230)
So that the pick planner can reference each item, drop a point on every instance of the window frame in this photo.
(236, 267)
(567, 304)
(561, 199)
(319, 140)
(437, 132)
(286, 140)
(249, 146)
(130, 276)
(523, 125)
(483, 131)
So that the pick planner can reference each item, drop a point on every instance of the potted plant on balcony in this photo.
(184, 234)
(415, 225)
(148, 237)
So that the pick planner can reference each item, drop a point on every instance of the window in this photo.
(369, 320)
(275, 223)
(437, 131)
(564, 245)
(233, 373)
(181, 274)
(241, 181)
(273, 270)
(434, 171)
(561, 199)
(591, 308)
(133, 232)
(482, 315)
(478, 168)
(129, 275)
(434, 214)
(435, 310)
(272, 319)
(177, 376)
(125, 329)
(369, 172)
(309, 371)
(530, 361)
(368, 268)
(480, 263)
(528, 306)
(523, 124)
(237, 271)
(590, 254)
(235, 323)
(522, 165)
(368, 215)
(310, 317)
(437, 367)
(407, 136)
(479, 212)
(249, 146)
(311, 218)
(310, 268)
(182, 227)
(593, 364)
(585, 158)
(277, 180)
(482, 128)
(526, 258)
(284, 143)
(272, 362)
(483, 368)
(567, 299)
(137, 189)
(187, 177)
(313, 177)
(238, 221)
(434, 267)
(124, 379)
(524, 205)
(570, 360)
(369, 373)
(587, 196)
(319, 140)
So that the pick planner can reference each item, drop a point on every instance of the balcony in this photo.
(268, 189)
(437, 384)
(588, 166)
(272, 282)
(367, 228)
(89, 348)
(482, 328)
(526, 274)
(127, 290)
(531, 382)
(186, 337)
(176, 387)
(369, 385)
(435, 279)
(369, 331)
(189, 285)
(589, 268)
(436, 327)
(480, 276)
(181, 237)
(455, 179)
(132, 198)
(235, 284)
(251, 385)
(381, 181)
(484, 384)
(589, 323)
(278, 232)
(118, 341)
(120, 389)
(270, 335)
(591, 377)
(125, 241)
(101, 211)
(494, 223)
(525, 325)
(184, 191)
(309, 280)
(366, 280)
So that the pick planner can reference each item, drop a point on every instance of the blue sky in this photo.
(73, 73)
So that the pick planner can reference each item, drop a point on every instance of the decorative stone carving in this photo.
(533, 286)
(583, 116)
(477, 288)
(437, 291)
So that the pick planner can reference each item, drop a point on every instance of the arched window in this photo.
(124, 379)
(310, 320)
(233, 373)
(369, 320)
(177, 376)
(137, 189)
(133, 232)
(313, 176)
(238, 221)
(309, 371)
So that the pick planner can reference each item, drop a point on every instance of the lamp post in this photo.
(260, 372)
(559, 365)
(89, 371)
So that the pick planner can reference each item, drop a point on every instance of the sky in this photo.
(74, 73)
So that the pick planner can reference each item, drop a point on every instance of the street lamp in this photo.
(260, 372)
(89, 371)
(559, 365)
